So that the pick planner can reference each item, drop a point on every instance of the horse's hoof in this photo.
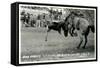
(83, 47)
(72, 35)
(46, 40)
(75, 34)
(78, 47)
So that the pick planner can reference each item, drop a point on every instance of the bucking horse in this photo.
(75, 25)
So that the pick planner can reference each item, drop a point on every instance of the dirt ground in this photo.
(35, 48)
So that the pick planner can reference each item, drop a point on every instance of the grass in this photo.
(33, 44)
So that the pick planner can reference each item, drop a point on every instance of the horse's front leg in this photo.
(71, 30)
(81, 40)
(65, 33)
(47, 34)
(85, 42)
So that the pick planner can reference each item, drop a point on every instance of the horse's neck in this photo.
(75, 20)
(66, 19)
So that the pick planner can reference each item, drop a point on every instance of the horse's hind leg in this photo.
(81, 40)
(85, 42)
(85, 37)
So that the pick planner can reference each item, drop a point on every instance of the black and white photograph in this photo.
(56, 33)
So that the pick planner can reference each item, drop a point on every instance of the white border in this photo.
(53, 60)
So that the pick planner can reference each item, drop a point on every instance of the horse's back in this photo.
(84, 22)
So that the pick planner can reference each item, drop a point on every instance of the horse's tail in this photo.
(92, 28)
